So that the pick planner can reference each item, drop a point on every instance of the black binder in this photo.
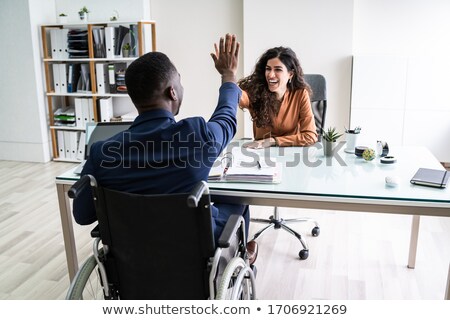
(431, 177)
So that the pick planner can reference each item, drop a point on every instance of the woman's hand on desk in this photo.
(260, 144)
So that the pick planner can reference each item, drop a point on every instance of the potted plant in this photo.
(351, 135)
(330, 137)
(62, 18)
(126, 50)
(83, 13)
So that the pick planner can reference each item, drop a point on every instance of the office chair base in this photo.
(275, 223)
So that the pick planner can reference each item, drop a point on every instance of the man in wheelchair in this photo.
(158, 155)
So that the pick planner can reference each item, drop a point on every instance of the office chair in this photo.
(319, 108)
(161, 247)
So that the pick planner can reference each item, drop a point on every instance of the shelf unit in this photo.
(145, 29)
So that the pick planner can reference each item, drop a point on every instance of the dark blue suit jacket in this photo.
(158, 155)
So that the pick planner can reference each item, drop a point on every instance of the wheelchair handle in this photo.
(78, 186)
(196, 193)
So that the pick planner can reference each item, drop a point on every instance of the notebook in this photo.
(431, 177)
(236, 167)
(98, 132)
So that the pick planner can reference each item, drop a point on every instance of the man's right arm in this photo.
(223, 123)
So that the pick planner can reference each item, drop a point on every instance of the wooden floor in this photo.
(356, 256)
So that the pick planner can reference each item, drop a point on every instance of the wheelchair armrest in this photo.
(232, 225)
(194, 197)
(78, 186)
(95, 233)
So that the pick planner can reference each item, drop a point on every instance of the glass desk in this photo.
(343, 182)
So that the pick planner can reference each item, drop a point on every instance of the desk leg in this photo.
(67, 229)
(447, 290)
(413, 241)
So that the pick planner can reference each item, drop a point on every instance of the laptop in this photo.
(98, 132)
(431, 177)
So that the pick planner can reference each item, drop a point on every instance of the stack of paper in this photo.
(261, 174)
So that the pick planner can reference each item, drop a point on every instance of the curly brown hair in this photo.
(264, 103)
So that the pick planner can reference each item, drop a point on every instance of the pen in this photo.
(258, 164)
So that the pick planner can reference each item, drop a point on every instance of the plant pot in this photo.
(62, 19)
(83, 16)
(125, 53)
(328, 147)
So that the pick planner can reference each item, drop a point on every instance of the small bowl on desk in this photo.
(359, 151)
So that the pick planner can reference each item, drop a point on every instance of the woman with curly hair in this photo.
(278, 99)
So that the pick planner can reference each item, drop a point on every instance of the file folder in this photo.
(62, 78)
(79, 113)
(101, 72)
(54, 43)
(90, 102)
(63, 44)
(73, 144)
(81, 146)
(67, 140)
(73, 77)
(85, 110)
(61, 146)
(112, 78)
(56, 82)
(106, 109)
(110, 42)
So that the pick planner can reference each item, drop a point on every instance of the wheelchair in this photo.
(161, 247)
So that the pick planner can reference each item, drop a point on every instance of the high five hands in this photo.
(226, 57)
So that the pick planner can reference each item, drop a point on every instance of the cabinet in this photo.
(84, 66)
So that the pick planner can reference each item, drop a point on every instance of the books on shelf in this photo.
(431, 177)
(239, 168)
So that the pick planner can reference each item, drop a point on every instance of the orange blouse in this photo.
(294, 124)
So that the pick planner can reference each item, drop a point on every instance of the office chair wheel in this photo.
(303, 254)
(315, 232)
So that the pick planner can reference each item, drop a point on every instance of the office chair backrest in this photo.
(159, 247)
(318, 100)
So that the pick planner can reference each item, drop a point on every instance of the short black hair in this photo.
(147, 76)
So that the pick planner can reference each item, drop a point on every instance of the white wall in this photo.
(186, 32)
(400, 81)
(102, 10)
(23, 129)
(320, 32)
(401, 27)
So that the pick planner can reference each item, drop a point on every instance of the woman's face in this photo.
(277, 76)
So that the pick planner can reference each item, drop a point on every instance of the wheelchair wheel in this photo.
(87, 283)
(238, 282)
